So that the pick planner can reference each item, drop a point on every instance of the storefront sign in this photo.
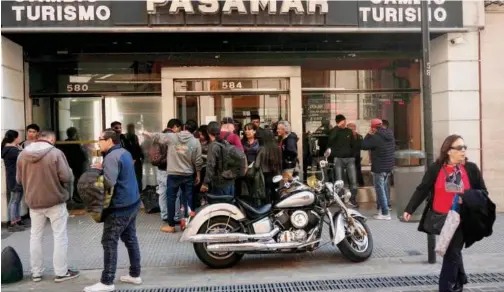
(407, 13)
(72, 13)
(238, 13)
(240, 6)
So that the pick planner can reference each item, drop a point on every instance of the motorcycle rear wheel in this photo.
(217, 260)
(357, 249)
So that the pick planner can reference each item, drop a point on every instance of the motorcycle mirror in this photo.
(339, 184)
(327, 153)
(277, 179)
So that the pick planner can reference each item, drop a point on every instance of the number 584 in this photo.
(231, 85)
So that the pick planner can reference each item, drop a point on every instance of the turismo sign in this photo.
(72, 13)
(401, 13)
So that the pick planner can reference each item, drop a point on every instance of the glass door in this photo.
(207, 108)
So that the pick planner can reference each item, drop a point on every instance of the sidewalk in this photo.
(398, 250)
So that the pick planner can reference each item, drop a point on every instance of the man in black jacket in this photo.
(137, 153)
(381, 143)
(342, 144)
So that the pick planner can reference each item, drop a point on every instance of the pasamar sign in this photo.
(240, 6)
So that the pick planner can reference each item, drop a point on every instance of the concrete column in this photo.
(207, 108)
(64, 117)
(295, 112)
(492, 103)
(167, 99)
(455, 90)
(13, 107)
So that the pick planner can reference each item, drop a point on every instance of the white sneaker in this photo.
(131, 280)
(100, 287)
(382, 217)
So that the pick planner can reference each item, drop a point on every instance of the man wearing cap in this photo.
(342, 144)
(227, 133)
(381, 143)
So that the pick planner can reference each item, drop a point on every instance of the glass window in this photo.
(364, 75)
(85, 114)
(145, 113)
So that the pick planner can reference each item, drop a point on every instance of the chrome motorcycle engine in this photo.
(296, 224)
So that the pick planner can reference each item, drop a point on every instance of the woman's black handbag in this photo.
(434, 221)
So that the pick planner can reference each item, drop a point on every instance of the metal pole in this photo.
(427, 108)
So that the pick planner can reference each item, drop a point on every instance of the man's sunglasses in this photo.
(459, 147)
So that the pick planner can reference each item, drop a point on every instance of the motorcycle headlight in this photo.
(312, 181)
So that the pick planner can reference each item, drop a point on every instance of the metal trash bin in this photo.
(408, 173)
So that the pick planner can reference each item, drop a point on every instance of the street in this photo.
(399, 250)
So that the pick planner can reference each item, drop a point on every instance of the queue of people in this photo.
(213, 158)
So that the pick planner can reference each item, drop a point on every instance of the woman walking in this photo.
(450, 175)
(10, 153)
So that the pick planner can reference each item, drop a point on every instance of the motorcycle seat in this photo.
(220, 198)
(252, 212)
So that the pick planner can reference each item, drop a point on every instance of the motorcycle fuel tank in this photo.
(300, 199)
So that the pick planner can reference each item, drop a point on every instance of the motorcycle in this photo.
(227, 228)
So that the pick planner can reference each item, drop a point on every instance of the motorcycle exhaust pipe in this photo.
(251, 246)
(232, 237)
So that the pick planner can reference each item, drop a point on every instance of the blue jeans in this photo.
(173, 185)
(382, 190)
(224, 191)
(349, 165)
(14, 205)
(387, 185)
(123, 227)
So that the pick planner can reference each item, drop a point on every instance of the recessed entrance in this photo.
(206, 94)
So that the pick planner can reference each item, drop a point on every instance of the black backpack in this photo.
(233, 161)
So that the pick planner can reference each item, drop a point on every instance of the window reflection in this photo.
(401, 110)
(85, 114)
(145, 113)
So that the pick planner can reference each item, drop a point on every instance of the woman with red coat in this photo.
(451, 174)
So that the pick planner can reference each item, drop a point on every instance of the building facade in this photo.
(86, 64)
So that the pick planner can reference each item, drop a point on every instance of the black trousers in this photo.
(453, 276)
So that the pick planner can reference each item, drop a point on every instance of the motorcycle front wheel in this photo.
(356, 247)
(220, 260)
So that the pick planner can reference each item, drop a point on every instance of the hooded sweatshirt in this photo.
(44, 172)
(10, 155)
(184, 153)
(382, 146)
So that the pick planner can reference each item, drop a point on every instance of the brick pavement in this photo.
(399, 250)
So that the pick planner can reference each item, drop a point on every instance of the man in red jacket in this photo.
(227, 133)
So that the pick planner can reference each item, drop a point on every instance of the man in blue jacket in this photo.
(381, 143)
(120, 217)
